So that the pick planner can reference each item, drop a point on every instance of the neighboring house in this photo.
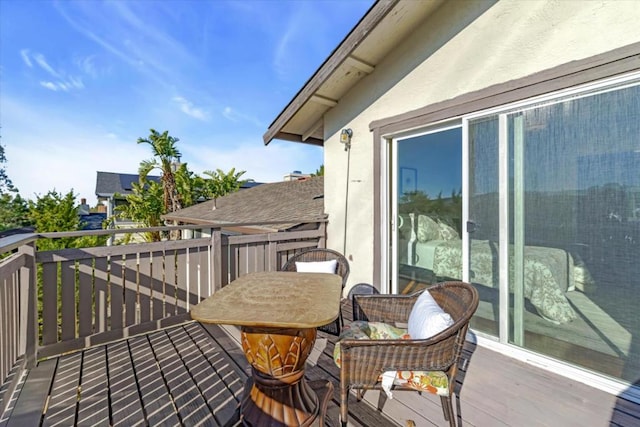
(265, 207)
(497, 142)
(295, 175)
(113, 188)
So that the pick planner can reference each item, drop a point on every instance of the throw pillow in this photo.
(317, 266)
(428, 229)
(446, 232)
(427, 318)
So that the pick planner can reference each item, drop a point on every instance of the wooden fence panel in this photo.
(68, 300)
(171, 290)
(131, 289)
(105, 293)
(13, 325)
(192, 277)
(181, 281)
(49, 303)
(144, 286)
(204, 273)
(85, 297)
(101, 294)
(157, 285)
(116, 292)
(200, 274)
(9, 316)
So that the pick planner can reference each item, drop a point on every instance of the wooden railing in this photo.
(57, 301)
(17, 310)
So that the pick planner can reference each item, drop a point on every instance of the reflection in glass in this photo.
(580, 202)
(429, 203)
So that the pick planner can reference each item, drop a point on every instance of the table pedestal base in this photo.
(277, 394)
(282, 402)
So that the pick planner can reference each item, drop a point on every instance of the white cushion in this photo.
(317, 266)
(427, 318)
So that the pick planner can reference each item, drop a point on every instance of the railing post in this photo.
(322, 242)
(273, 256)
(29, 304)
(216, 254)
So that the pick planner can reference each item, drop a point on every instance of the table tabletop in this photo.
(274, 299)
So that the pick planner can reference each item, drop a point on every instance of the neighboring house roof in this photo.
(380, 31)
(110, 183)
(272, 202)
(14, 231)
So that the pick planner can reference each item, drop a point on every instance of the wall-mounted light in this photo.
(345, 138)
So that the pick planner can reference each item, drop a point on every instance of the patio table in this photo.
(278, 313)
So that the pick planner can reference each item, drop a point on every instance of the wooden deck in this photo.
(194, 375)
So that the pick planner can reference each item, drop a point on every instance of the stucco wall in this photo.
(463, 47)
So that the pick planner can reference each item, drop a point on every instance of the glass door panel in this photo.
(574, 236)
(428, 208)
(484, 221)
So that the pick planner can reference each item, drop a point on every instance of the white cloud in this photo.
(282, 54)
(42, 62)
(188, 108)
(72, 166)
(45, 151)
(24, 53)
(261, 163)
(88, 65)
(63, 83)
(65, 86)
(234, 116)
(49, 85)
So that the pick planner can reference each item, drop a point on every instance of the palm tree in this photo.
(165, 156)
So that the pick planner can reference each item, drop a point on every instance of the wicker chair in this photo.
(364, 360)
(342, 269)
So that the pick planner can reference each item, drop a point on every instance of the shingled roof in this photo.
(110, 183)
(294, 201)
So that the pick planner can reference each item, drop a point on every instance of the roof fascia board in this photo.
(373, 17)
(298, 138)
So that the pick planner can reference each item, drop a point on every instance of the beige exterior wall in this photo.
(461, 48)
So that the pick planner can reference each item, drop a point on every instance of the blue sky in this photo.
(81, 81)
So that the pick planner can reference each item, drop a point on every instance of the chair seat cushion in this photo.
(435, 382)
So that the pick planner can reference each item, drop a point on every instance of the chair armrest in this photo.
(390, 309)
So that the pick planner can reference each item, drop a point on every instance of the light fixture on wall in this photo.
(345, 138)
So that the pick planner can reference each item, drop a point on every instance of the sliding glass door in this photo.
(550, 232)
(428, 205)
(554, 226)
(574, 224)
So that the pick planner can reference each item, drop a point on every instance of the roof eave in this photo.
(371, 19)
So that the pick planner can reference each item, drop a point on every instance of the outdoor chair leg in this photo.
(447, 409)
(344, 406)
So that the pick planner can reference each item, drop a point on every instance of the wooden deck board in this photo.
(221, 387)
(192, 408)
(124, 399)
(158, 404)
(94, 390)
(62, 404)
(220, 401)
(194, 374)
(32, 396)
